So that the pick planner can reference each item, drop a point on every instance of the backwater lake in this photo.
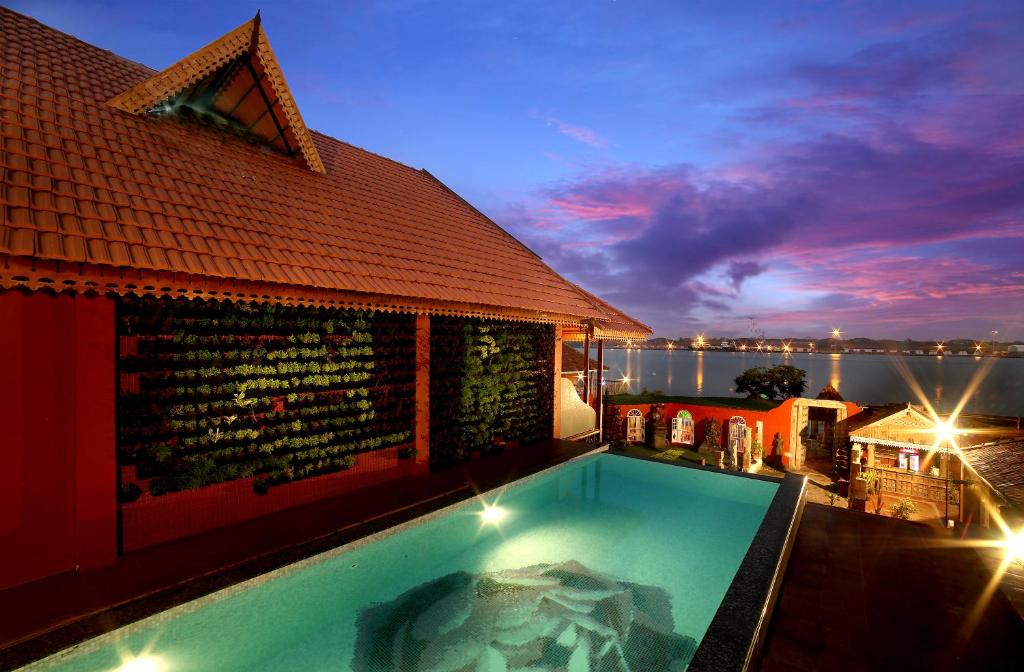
(863, 379)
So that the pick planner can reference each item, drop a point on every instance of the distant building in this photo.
(1016, 349)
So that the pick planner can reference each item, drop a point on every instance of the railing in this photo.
(915, 485)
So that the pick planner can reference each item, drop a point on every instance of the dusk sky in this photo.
(807, 164)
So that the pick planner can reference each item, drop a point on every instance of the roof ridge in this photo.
(499, 227)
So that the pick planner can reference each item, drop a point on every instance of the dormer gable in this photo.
(234, 82)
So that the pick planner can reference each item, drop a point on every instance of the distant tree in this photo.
(789, 381)
(757, 382)
(781, 381)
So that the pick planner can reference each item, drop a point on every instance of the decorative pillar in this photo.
(586, 368)
(557, 383)
(600, 390)
(422, 427)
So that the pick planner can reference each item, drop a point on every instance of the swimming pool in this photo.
(605, 563)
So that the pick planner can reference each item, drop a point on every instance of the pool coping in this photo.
(120, 633)
(735, 637)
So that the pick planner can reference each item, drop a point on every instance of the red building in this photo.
(209, 312)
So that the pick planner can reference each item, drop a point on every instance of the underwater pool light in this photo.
(140, 664)
(492, 514)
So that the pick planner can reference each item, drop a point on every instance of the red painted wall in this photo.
(771, 419)
(152, 520)
(58, 505)
(775, 421)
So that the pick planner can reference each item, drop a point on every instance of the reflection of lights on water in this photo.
(834, 370)
(700, 372)
(141, 664)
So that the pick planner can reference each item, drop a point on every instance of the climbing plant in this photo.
(212, 391)
(490, 385)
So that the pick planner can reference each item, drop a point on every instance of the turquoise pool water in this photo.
(603, 563)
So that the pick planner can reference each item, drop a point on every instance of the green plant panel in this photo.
(490, 385)
(215, 390)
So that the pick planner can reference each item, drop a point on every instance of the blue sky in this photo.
(699, 164)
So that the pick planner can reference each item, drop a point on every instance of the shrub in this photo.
(903, 509)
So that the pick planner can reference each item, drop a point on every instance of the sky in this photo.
(718, 167)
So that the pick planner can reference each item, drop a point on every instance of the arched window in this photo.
(737, 431)
(682, 428)
(635, 426)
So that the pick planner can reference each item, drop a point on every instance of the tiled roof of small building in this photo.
(1001, 464)
(96, 197)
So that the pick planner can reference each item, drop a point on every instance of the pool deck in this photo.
(866, 592)
(60, 611)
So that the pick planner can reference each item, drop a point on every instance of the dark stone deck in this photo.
(864, 592)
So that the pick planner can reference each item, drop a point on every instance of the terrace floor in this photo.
(865, 592)
(59, 611)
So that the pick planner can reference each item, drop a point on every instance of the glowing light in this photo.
(977, 347)
(492, 514)
(946, 432)
(1015, 546)
(700, 341)
(836, 332)
(140, 664)
(743, 347)
(787, 348)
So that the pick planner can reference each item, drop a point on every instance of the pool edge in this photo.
(736, 635)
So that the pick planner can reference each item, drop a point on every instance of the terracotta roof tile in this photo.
(183, 197)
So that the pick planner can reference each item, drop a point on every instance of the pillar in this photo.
(600, 389)
(422, 433)
(586, 368)
(557, 383)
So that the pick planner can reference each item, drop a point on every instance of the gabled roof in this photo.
(897, 425)
(236, 78)
(98, 198)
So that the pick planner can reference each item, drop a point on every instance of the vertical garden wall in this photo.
(212, 391)
(490, 386)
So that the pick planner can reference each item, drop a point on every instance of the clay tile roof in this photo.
(1001, 464)
(97, 191)
(613, 323)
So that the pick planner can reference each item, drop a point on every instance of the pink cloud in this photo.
(580, 133)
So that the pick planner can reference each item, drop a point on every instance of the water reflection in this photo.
(866, 379)
(670, 369)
